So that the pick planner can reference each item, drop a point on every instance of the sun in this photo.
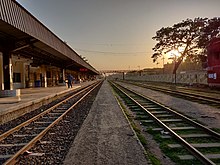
(173, 54)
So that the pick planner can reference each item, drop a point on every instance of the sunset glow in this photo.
(172, 54)
(117, 31)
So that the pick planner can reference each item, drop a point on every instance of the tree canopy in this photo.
(189, 37)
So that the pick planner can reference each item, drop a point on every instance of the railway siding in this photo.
(176, 126)
(206, 114)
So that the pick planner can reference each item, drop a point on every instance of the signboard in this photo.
(83, 69)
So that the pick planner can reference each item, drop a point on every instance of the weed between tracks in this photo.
(139, 134)
(216, 130)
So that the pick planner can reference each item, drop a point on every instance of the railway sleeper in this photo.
(195, 135)
(42, 122)
(5, 156)
(190, 157)
(188, 136)
(38, 128)
(55, 113)
(157, 129)
(146, 121)
(152, 108)
(59, 110)
(45, 142)
(137, 110)
(159, 112)
(197, 145)
(24, 135)
(141, 113)
(174, 128)
(166, 137)
(49, 117)
(148, 104)
(164, 115)
(183, 128)
(13, 145)
(171, 120)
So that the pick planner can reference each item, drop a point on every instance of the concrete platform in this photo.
(106, 136)
(30, 99)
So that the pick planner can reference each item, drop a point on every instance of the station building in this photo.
(33, 56)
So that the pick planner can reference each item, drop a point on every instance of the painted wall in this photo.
(197, 77)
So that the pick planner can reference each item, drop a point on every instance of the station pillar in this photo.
(79, 78)
(63, 75)
(44, 76)
(1, 72)
(45, 79)
(7, 70)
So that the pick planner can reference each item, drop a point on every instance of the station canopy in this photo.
(24, 36)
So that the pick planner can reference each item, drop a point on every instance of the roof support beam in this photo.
(22, 47)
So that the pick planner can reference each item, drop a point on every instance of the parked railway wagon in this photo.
(213, 70)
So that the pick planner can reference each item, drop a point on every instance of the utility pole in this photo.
(174, 60)
(175, 69)
(163, 63)
(139, 70)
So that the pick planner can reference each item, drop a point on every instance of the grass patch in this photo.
(154, 160)
(202, 140)
(150, 156)
(142, 139)
(216, 130)
(173, 154)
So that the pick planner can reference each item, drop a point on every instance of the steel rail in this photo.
(210, 131)
(188, 94)
(190, 148)
(216, 134)
(15, 157)
(180, 93)
(5, 134)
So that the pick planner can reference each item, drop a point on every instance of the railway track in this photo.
(16, 142)
(183, 139)
(192, 95)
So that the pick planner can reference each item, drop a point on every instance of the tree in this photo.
(190, 64)
(184, 37)
(210, 32)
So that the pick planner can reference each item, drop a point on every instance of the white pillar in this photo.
(45, 79)
(44, 74)
(11, 73)
(1, 72)
(64, 78)
(23, 75)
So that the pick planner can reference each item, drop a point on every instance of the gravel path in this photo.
(105, 136)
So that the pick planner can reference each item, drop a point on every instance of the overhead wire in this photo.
(115, 53)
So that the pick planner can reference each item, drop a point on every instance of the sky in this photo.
(116, 34)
